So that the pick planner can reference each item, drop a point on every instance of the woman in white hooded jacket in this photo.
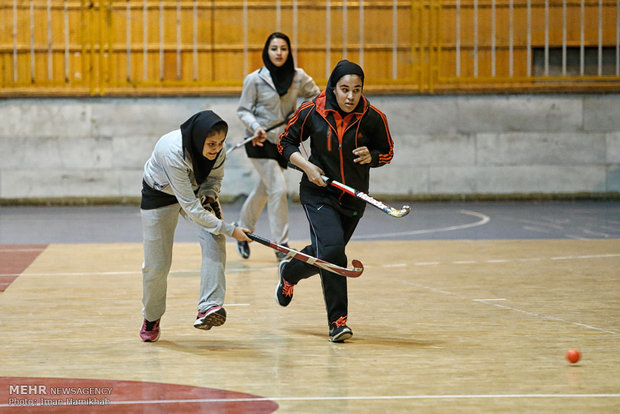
(183, 177)
(270, 95)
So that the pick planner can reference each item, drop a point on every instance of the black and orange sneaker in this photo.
(339, 331)
(150, 331)
(284, 290)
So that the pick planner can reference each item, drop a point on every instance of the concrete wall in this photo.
(444, 145)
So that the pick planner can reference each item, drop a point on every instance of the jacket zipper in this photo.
(344, 130)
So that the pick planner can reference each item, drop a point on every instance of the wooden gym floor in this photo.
(463, 319)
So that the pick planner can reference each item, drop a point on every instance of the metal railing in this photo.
(534, 44)
(189, 47)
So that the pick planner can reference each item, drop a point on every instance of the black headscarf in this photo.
(282, 76)
(342, 68)
(195, 131)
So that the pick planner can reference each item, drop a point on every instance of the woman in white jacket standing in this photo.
(183, 176)
(269, 97)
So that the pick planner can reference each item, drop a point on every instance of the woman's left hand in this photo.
(363, 155)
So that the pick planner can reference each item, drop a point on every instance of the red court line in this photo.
(14, 259)
(72, 395)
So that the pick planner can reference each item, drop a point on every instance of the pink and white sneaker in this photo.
(150, 331)
(214, 316)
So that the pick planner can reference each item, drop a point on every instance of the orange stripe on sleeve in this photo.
(385, 158)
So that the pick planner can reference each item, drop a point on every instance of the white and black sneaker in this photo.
(339, 331)
(284, 290)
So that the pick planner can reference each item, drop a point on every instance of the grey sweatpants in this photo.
(270, 190)
(158, 228)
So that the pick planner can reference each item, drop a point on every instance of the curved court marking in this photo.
(484, 219)
(44, 394)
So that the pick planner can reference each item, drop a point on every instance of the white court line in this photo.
(551, 318)
(484, 219)
(536, 225)
(535, 229)
(596, 233)
(426, 263)
(131, 272)
(23, 250)
(612, 228)
(525, 259)
(364, 397)
(135, 272)
(253, 269)
(571, 236)
(586, 256)
(490, 303)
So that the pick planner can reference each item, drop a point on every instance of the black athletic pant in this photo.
(330, 232)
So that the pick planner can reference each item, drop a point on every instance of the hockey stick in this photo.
(248, 139)
(357, 270)
(363, 196)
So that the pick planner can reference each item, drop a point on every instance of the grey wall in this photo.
(444, 145)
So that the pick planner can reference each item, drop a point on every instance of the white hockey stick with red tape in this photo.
(363, 196)
(248, 139)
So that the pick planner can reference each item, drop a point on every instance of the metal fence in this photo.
(157, 47)
(557, 45)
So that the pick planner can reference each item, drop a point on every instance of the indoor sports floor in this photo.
(462, 308)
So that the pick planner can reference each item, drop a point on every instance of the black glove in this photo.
(211, 205)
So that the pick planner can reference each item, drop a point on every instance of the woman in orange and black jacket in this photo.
(348, 136)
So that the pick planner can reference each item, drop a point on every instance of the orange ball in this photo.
(573, 355)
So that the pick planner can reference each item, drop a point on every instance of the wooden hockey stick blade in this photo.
(357, 270)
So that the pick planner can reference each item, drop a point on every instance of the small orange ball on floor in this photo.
(573, 355)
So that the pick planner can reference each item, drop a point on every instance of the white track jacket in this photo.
(260, 104)
(170, 170)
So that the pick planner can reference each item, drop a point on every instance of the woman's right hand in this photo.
(314, 174)
(312, 171)
(259, 137)
(240, 234)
